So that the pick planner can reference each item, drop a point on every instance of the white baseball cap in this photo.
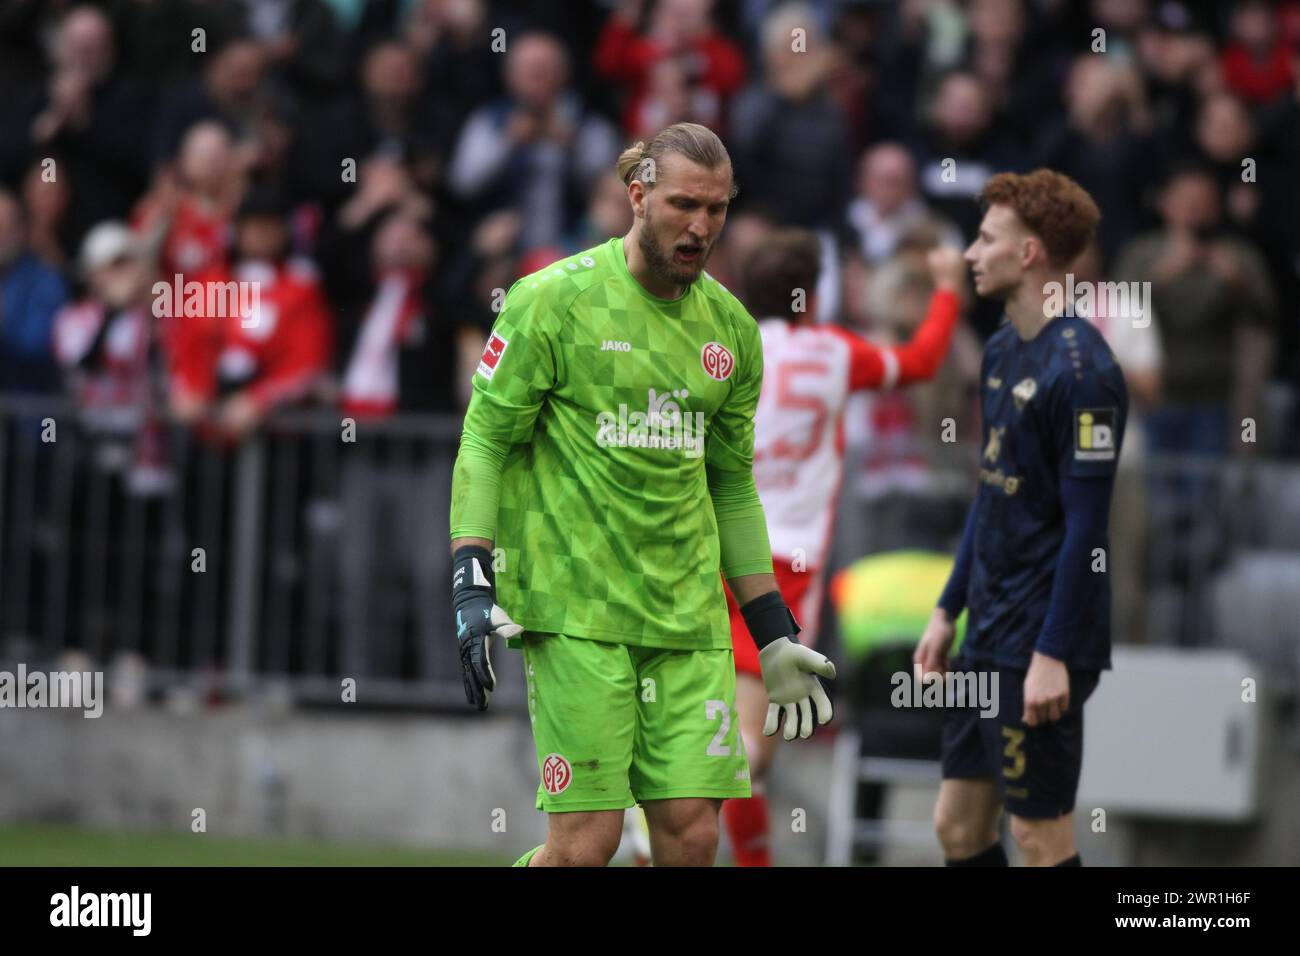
(107, 242)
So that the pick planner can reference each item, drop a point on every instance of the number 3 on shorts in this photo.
(712, 710)
(1014, 750)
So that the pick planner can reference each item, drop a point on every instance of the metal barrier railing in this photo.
(298, 557)
(302, 558)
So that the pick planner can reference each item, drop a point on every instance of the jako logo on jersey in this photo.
(609, 345)
(661, 425)
(717, 361)
(556, 774)
(492, 352)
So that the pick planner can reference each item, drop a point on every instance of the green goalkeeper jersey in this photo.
(613, 414)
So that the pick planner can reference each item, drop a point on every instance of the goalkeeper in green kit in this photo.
(607, 457)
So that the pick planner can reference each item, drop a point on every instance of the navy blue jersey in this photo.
(1053, 407)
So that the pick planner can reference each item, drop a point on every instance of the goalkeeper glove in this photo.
(788, 669)
(478, 621)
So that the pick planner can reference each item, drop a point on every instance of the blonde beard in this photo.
(661, 266)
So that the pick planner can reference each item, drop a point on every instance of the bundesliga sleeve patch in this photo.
(1094, 434)
(492, 352)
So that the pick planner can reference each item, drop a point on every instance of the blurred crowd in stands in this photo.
(382, 169)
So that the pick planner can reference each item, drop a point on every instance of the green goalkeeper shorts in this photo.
(616, 724)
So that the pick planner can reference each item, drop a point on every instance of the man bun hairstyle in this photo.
(1054, 207)
(697, 143)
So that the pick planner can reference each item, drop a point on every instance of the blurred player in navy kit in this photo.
(1028, 569)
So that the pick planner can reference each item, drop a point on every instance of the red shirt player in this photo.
(809, 371)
